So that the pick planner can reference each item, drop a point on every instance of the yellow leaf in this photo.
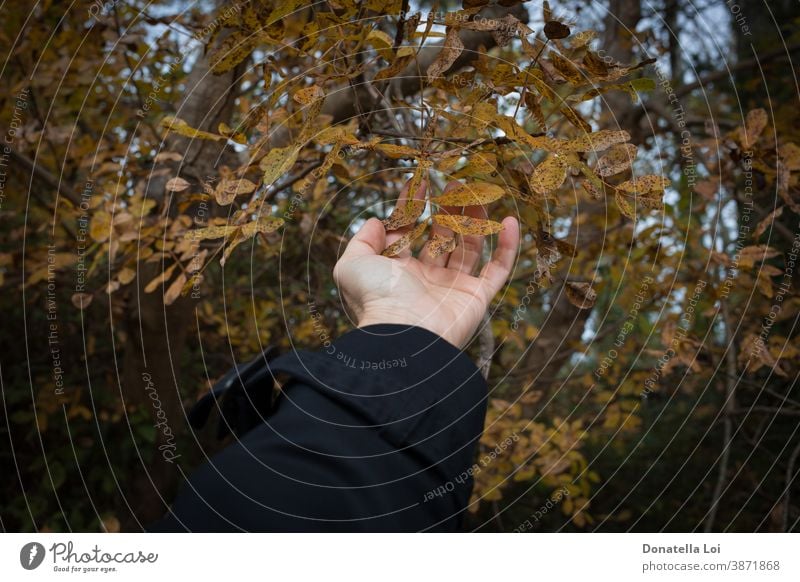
(100, 227)
(470, 194)
(549, 175)
(179, 126)
(126, 275)
(396, 151)
(405, 241)
(597, 141)
(624, 205)
(277, 162)
(159, 279)
(645, 185)
(467, 224)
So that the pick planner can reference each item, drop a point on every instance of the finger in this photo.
(392, 236)
(467, 255)
(495, 273)
(369, 240)
(441, 260)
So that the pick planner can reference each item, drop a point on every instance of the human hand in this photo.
(439, 294)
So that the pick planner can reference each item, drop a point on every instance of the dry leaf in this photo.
(405, 241)
(440, 244)
(618, 159)
(549, 175)
(581, 295)
(177, 184)
(470, 194)
(467, 224)
(451, 49)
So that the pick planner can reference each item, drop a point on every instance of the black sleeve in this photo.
(375, 432)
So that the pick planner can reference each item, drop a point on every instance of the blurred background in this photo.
(642, 363)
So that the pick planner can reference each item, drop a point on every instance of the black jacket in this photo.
(375, 432)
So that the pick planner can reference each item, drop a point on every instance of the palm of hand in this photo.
(389, 290)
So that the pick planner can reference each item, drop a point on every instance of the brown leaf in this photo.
(451, 49)
(618, 159)
(440, 244)
(467, 224)
(767, 221)
(645, 185)
(554, 30)
(581, 295)
(177, 184)
(408, 213)
(309, 95)
(405, 241)
(227, 190)
(470, 194)
(754, 125)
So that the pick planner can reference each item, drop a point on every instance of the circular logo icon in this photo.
(31, 555)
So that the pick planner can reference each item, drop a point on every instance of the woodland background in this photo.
(643, 362)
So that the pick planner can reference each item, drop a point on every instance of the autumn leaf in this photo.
(405, 241)
(451, 49)
(309, 95)
(277, 162)
(554, 30)
(404, 57)
(754, 125)
(549, 175)
(177, 184)
(467, 224)
(617, 160)
(408, 212)
(597, 141)
(644, 185)
(227, 190)
(160, 278)
(581, 295)
(179, 126)
(625, 206)
(470, 194)
(440, 244)
(174, 290)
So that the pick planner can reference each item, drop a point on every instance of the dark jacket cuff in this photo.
(417, 389)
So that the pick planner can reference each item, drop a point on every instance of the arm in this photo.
(376, 432)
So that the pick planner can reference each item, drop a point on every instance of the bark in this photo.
(158, 334)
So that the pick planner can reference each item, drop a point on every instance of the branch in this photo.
(783, 52)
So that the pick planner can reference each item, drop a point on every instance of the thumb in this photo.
(369, 240)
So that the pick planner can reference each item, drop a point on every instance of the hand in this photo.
(439, 294)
